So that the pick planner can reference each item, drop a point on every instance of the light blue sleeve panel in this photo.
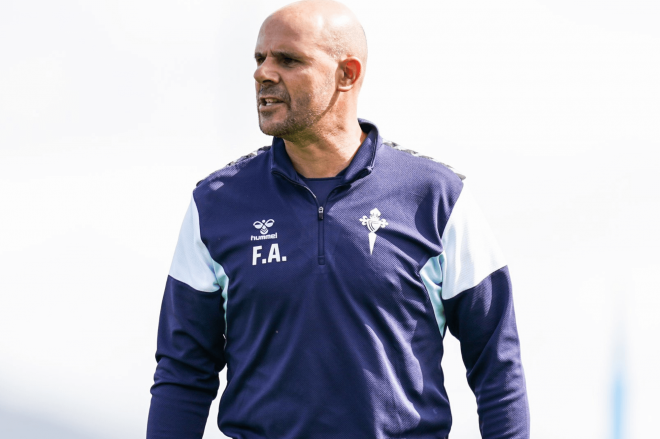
(192, 263)
(471, 252)
(432, 275)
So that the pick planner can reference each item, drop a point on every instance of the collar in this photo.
(361, 165)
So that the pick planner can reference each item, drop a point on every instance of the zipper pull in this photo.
(321, 213)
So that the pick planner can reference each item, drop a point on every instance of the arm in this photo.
(190, 339)
(478, 304)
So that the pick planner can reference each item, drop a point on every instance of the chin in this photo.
(277, 128)
(269, 128)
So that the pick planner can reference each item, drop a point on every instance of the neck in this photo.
(327, 152)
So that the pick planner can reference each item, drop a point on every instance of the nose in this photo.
(265, 72)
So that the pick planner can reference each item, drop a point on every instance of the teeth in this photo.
(271, 101)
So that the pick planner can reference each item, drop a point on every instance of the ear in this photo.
(349, 72)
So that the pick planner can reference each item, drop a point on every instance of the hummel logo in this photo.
(373, 223)
(263, 225)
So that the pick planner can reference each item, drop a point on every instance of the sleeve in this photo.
(190, 351)
(478, 305)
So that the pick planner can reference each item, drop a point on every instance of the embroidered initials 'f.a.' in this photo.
(273, 255)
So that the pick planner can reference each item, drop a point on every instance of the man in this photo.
(324, 270)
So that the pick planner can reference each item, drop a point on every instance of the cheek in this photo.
(328, 84)
(310, 89)
(321, 89)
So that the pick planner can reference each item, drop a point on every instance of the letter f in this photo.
(256, 254)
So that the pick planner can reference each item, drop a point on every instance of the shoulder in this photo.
(417, 159)
(418, 173)
(434, 185)
(247, 163)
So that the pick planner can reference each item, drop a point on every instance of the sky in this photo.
(111, 111)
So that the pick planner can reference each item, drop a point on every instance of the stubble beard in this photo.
(299, 117)
(301, 114)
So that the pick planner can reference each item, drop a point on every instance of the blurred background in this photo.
(112, 110)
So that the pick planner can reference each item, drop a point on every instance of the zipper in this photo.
(321, 238)
(321, 212)
(320, 215)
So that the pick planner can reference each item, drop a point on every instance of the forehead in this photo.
(291, 32)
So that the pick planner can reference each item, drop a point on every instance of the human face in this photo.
(295, 78)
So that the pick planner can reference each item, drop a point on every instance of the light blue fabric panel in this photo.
(432, 274)
(192, 263)
(470, 250)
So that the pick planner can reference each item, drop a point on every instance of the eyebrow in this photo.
(279, 54)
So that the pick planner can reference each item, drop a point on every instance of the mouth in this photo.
(269, 102)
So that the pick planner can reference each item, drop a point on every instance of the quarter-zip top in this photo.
(330, 314)
(283, 167)
(320, 203)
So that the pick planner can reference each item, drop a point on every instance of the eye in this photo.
(288, 61)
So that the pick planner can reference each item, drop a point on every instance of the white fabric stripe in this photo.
(192, 263)
(431, 274)
(471, 252)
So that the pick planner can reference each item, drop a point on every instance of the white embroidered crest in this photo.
(373, 223)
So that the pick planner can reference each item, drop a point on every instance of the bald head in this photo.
(311, 58)
(337, 29)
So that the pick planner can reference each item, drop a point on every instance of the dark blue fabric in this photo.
(336, 341)
(483, 320)
(321, 187)
(190, 355)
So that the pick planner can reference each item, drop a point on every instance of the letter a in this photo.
(274, 253)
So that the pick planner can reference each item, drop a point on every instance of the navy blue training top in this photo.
(331, 325)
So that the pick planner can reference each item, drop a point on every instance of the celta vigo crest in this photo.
(263, 225)
(373, 223)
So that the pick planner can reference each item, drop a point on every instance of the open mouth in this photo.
(267, 102)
